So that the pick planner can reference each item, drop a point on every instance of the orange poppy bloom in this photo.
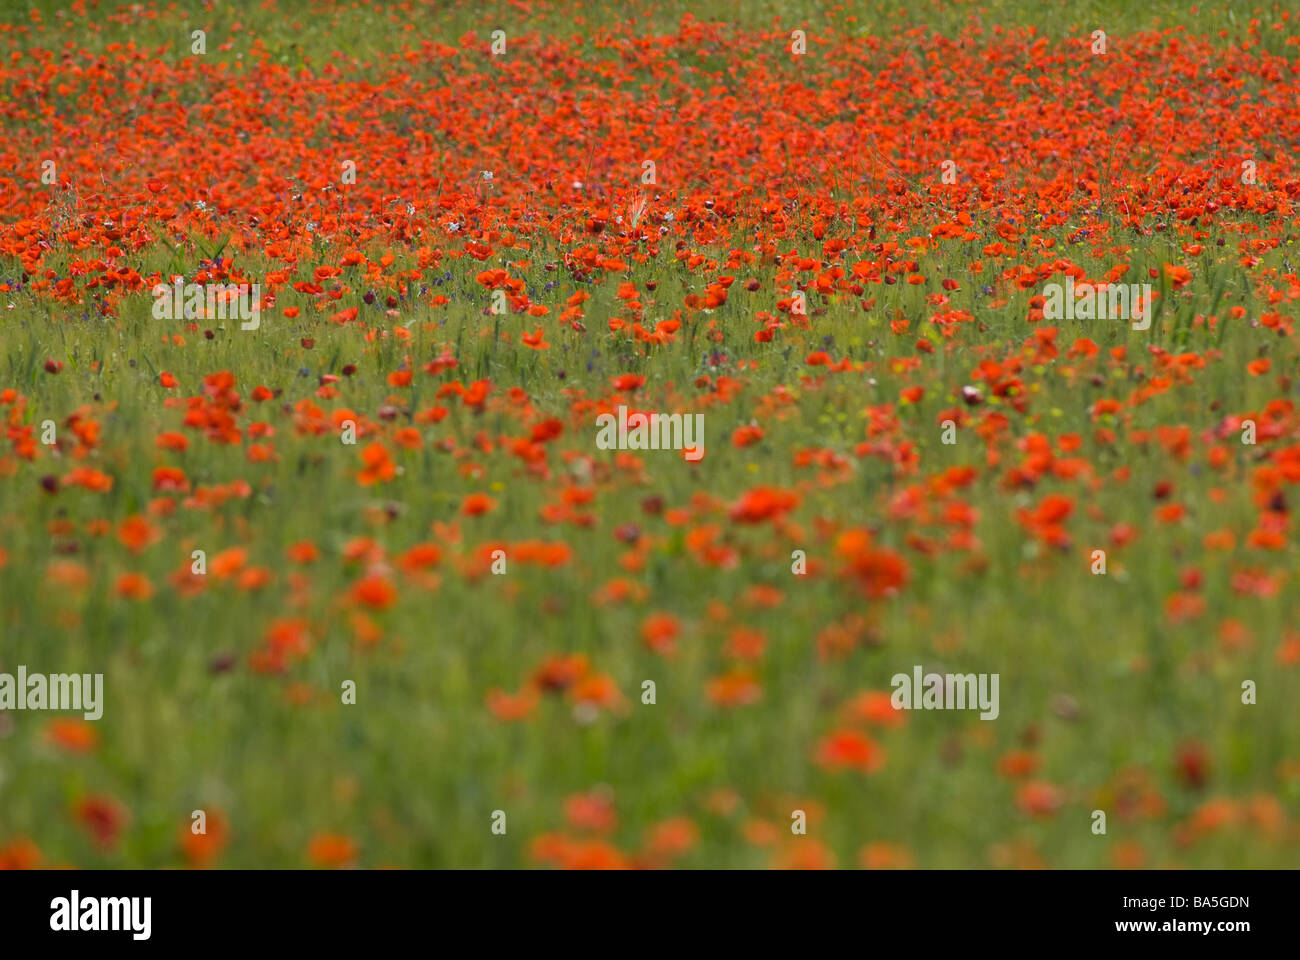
(477, 504)
(331, 850)
(72, 734)
(850, 750)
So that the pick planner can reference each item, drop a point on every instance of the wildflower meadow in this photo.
(585, 435)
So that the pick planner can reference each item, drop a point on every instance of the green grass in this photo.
(414, 770)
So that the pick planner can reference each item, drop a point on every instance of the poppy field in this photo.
(571, 435)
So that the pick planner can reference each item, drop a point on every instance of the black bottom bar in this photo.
(333, 910)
